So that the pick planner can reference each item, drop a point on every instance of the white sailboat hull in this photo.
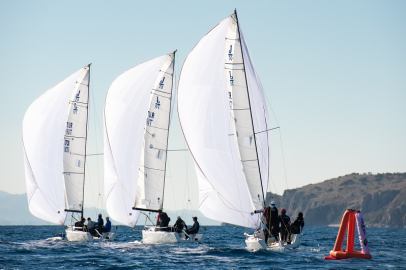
(81, 236)
(150, 235)
(257, 242)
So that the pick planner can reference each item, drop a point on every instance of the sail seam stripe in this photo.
(152, 168)
(160, 95)
(78, 102)
(156, 90)
(158, 128)
(234, 68)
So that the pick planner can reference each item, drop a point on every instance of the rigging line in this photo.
(273, 183)
(87, 164)
(187, 177)
(97, 124)
(283, 158)
(266, 130)
(234, 209)
(97, 154)
(173, 192)
(280, 136)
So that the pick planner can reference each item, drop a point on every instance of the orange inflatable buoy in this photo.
(348, 222)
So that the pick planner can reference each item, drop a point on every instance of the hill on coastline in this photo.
(380, 197)
(14, 211)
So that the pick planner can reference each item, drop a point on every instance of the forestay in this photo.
(218, 91)
(54, 139)
(136, 115)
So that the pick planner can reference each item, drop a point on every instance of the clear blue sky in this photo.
(333, 71)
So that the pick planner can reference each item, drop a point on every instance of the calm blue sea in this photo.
(25, 247)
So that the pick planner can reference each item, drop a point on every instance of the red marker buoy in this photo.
(350, 218)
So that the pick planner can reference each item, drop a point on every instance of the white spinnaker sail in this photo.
(44, 128)
(151, 178)
(209, 128)
(125, 116)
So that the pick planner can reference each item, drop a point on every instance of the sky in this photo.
(333, 72)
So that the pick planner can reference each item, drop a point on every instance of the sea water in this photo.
(26, 247)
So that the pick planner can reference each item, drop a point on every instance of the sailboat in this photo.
(224, 119)
(137, 115)
(54, 142)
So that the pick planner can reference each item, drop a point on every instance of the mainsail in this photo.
(137, 115)
(54, 141)
(224, 120)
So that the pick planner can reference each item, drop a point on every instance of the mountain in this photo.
(380, 197)
(14, 211)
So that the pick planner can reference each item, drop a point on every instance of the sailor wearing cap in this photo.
(195, 227)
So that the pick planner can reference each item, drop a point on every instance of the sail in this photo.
(241, 112)
(260, 117)
(214, 91)
(44, 130)
(74, 153)
(151, 178)
(129, 106)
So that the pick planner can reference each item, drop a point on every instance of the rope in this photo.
(280, 136)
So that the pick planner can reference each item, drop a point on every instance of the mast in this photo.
(84, 162)
(249, 100)
(169, 122)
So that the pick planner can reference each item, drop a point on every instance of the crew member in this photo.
(195, 228)
(179, 225)
(298, 224)
(285, 226)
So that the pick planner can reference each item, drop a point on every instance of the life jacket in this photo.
(297, 225)
(266, 211)
(179, 225)
(284, 219)
(274, 216)
(164, 219)
(197, 226)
